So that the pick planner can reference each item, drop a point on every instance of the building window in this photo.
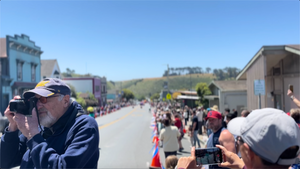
(97, 88)
(4, 66)
(103, 89)
(19, 70)
(56, 74)
(33, 70)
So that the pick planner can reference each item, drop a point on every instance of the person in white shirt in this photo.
(169, 137)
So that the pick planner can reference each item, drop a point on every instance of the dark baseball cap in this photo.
(49, 87)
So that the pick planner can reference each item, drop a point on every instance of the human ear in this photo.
(250, 153)
(66, 100)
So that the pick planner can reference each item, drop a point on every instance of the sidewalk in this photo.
(203, 138)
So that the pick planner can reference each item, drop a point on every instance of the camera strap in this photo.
(38, 117)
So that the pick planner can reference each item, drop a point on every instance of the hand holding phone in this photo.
(291, 87)
(232, 160)
(188, 162)
(211, 155)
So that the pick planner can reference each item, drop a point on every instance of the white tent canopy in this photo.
(181, 97)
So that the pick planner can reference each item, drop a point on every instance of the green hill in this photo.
(149, 86)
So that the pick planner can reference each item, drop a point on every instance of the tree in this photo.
(155, 96)
(81, 101)
(221, 74)
(112, 82)
(87, 75)
(203, 90)
(216, 72)
(141, 98)
(70, 72)
(189, 70)
(208, 69)
(166, 73)
(172, 70)
(73, 91)
(199, 70)
(127, 94)
(86, 99)
(236, 71)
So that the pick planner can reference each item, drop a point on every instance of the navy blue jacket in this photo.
(72, 142)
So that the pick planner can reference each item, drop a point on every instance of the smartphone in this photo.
(291, 87)
(206, 156)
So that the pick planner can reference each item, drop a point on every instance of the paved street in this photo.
(125, 139)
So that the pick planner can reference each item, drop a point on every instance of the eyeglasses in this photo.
(44, 99)
(239, 139)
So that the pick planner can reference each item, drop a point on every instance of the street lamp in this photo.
(190, 82)
(167, 76)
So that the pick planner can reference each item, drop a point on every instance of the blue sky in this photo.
(124, 40)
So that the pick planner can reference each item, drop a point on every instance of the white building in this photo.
(50, 69)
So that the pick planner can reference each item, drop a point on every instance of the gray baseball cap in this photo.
(49, 87)
(269, 132)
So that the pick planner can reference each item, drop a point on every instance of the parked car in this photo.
(3, 123)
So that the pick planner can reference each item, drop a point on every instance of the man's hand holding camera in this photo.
(28, 125)
(10, 116)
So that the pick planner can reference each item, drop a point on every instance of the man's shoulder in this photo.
(174, 128)
(86, 120)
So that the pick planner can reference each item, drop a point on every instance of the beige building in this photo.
(278, 66)
(230, 94)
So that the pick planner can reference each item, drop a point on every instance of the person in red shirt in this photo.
(178, 124)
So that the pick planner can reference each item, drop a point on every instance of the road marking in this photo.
(106, 125)
(135, 115)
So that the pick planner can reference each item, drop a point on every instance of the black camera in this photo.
(23, 106)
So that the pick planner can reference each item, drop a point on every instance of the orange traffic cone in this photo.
(155, 161)
(155, 139)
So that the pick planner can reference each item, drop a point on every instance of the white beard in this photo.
(48, 120)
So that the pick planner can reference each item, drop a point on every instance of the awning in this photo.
(182, 97)
(24, 85)
(211, 97)
(110, 100)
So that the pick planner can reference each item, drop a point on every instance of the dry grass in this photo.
(146, 86)
(192, 75)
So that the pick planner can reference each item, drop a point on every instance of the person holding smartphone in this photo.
(267, 138)
(290, 93)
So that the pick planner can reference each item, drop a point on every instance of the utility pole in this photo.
(121, 93)
(168, 78)
(190, 83)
